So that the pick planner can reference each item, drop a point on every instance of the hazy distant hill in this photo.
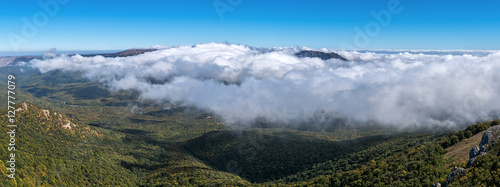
(14, 60)
(319, 54)
(130, 52)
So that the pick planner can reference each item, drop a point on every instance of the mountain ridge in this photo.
(319, 54)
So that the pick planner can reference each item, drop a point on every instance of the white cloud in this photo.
(399, 89)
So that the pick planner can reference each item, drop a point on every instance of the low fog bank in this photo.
(243, 84)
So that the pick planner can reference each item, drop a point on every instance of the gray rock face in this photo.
(437, 184)
(455, 174)
(474, 152)
(489, 137)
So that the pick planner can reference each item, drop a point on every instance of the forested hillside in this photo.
(50, 154)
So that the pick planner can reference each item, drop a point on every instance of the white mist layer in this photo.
(241, 83)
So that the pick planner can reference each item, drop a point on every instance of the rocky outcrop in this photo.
(59, 118)
(489, 137)
(319, 54)
(24, 106)
(454, 175)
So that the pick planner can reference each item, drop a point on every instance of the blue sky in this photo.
(123, 24)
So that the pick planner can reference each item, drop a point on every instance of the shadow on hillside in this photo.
(261, 157)
(148, 151)
(143, 141)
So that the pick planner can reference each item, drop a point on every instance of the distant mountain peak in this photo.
(319, 54)
(126, 53)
